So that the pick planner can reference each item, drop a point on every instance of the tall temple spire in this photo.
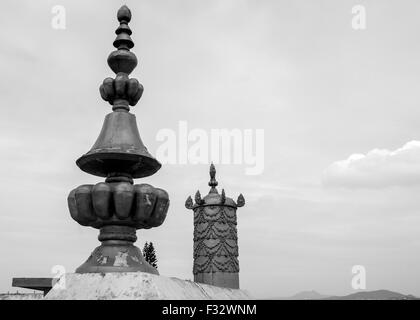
(118, 207)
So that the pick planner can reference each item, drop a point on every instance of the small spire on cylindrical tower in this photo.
(213, 183)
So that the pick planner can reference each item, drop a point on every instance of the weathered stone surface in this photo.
(21, 296)
(137, 286)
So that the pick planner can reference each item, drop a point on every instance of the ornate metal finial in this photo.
(213, 183)
(118, 207)
(122, 91)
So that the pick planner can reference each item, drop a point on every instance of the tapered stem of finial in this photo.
(122, 91)
(123, 60)
(123, 40)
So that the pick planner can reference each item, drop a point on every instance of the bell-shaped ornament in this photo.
(119, 150)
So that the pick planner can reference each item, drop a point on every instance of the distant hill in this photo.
(308, 295)
(304, 295)
(374, 295)
(361, 295)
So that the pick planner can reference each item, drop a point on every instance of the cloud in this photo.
(378, 168)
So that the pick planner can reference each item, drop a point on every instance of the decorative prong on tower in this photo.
(223, 197)
(198, 199)
(241, 201)
(189, 203)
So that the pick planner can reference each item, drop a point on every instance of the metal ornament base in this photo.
(116, 253)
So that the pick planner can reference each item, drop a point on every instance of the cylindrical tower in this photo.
(215, 237)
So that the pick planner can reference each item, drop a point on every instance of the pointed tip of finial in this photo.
(124, 14)
(123, 40)
(213, 183)
(122, 61)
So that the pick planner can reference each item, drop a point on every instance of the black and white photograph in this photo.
(223, 151)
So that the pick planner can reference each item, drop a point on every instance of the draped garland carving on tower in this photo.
(215, 230)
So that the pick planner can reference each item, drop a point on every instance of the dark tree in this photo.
(150, 254)
(145, 250)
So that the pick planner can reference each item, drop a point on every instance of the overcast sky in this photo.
(340, 109)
